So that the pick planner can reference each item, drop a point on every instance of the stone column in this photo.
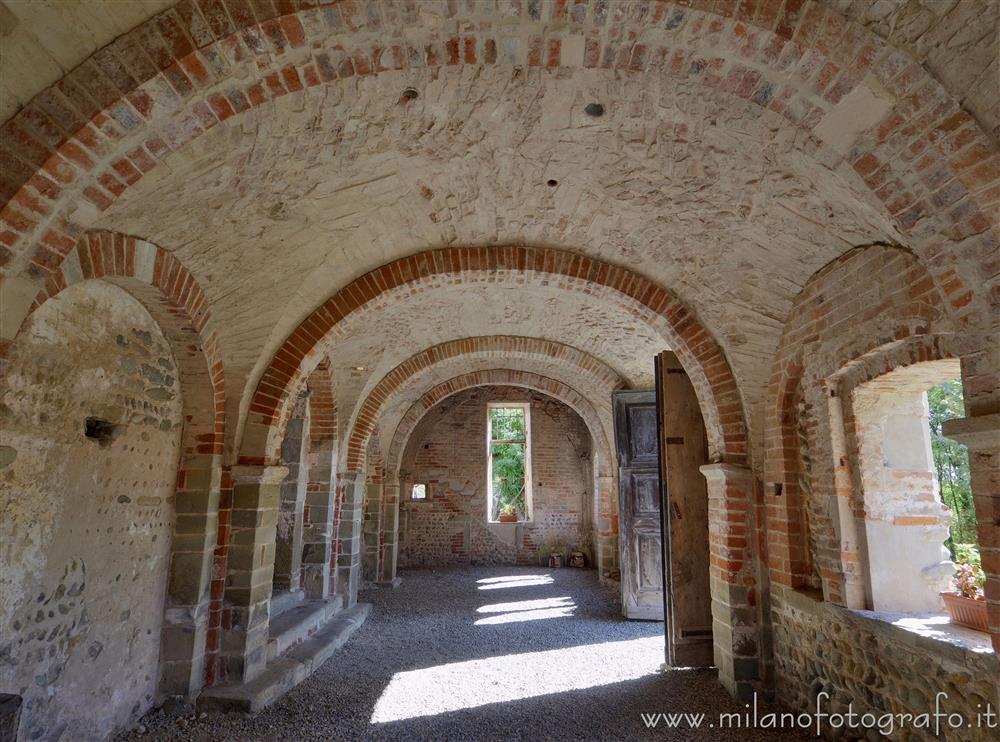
(371, 531)
(734, 578)
(256, 493)
(185, 624)
(390, 534)
(981, 435)
(288, 544)
(318, 535)
(351, 496)
(606, 525)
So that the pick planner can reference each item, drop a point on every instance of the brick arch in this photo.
(499, 346)
(322, 406)
(174, 299)
(499, 377)
(904, 320)
(79, 145)
(520, 266)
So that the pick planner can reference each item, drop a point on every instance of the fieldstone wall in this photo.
(447, 452)
(87, 521)
(878, 668)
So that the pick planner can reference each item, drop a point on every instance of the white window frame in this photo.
(418, 499)
(492, 517)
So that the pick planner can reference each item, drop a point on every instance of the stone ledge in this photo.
(285, 672)
(955, 644)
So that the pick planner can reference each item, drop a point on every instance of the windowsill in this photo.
(936, 627)
(507, 522)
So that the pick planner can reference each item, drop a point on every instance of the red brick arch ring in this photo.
(77, 146)
(523, 267)
(495, 348)
(497, 377)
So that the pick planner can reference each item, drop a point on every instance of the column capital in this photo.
(259, 474)
(724, 470)
(977, 433)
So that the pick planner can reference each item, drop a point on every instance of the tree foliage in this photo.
(507, 425)
(951, 462)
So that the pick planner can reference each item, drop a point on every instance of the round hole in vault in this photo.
(594, 109)
(552, 182)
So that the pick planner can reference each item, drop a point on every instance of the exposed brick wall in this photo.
(447, 451)
(873, 302)
(867, 324)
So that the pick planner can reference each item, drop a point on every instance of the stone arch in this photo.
(683, 333)
(498, 346)
(80, 144)
(174, 299)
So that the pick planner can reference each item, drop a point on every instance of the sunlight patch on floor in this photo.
(464, 685)
(526, 605)
(495, 583)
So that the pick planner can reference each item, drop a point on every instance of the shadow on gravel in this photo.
(486, 653)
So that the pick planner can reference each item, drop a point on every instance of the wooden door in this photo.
(640, 537)
(684, 449)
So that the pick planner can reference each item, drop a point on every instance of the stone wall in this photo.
(876, 667)
(447, 452)
(87, 521)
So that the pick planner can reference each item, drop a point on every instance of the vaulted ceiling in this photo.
(730, 192)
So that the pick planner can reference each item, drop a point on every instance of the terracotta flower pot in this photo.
(966, 612)
(508, 517)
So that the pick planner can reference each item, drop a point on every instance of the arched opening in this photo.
(449, 454)
(92, 437)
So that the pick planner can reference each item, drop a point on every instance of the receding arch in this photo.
(499, 377)
(497, 346)
(682, 332)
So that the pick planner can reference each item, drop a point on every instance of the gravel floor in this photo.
(483, 654)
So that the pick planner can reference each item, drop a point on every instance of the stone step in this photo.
(285, 672)
(296, 624)
(285, 600)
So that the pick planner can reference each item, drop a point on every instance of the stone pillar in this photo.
(186, 618)
(371, 531)
(606, 526)
(351, 496)
(981, 435)
(734, 579)
(288, 544)
(318, 535)
(389, 546)
(256, 493)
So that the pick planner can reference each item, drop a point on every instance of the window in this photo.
(419, 492)
(509, 462)
(918, 514)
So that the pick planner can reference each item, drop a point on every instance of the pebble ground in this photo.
(430, 621)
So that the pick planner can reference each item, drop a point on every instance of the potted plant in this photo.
(508, 514)
(966, 606)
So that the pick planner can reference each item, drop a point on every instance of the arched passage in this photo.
(693, 345)
(173, 298)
